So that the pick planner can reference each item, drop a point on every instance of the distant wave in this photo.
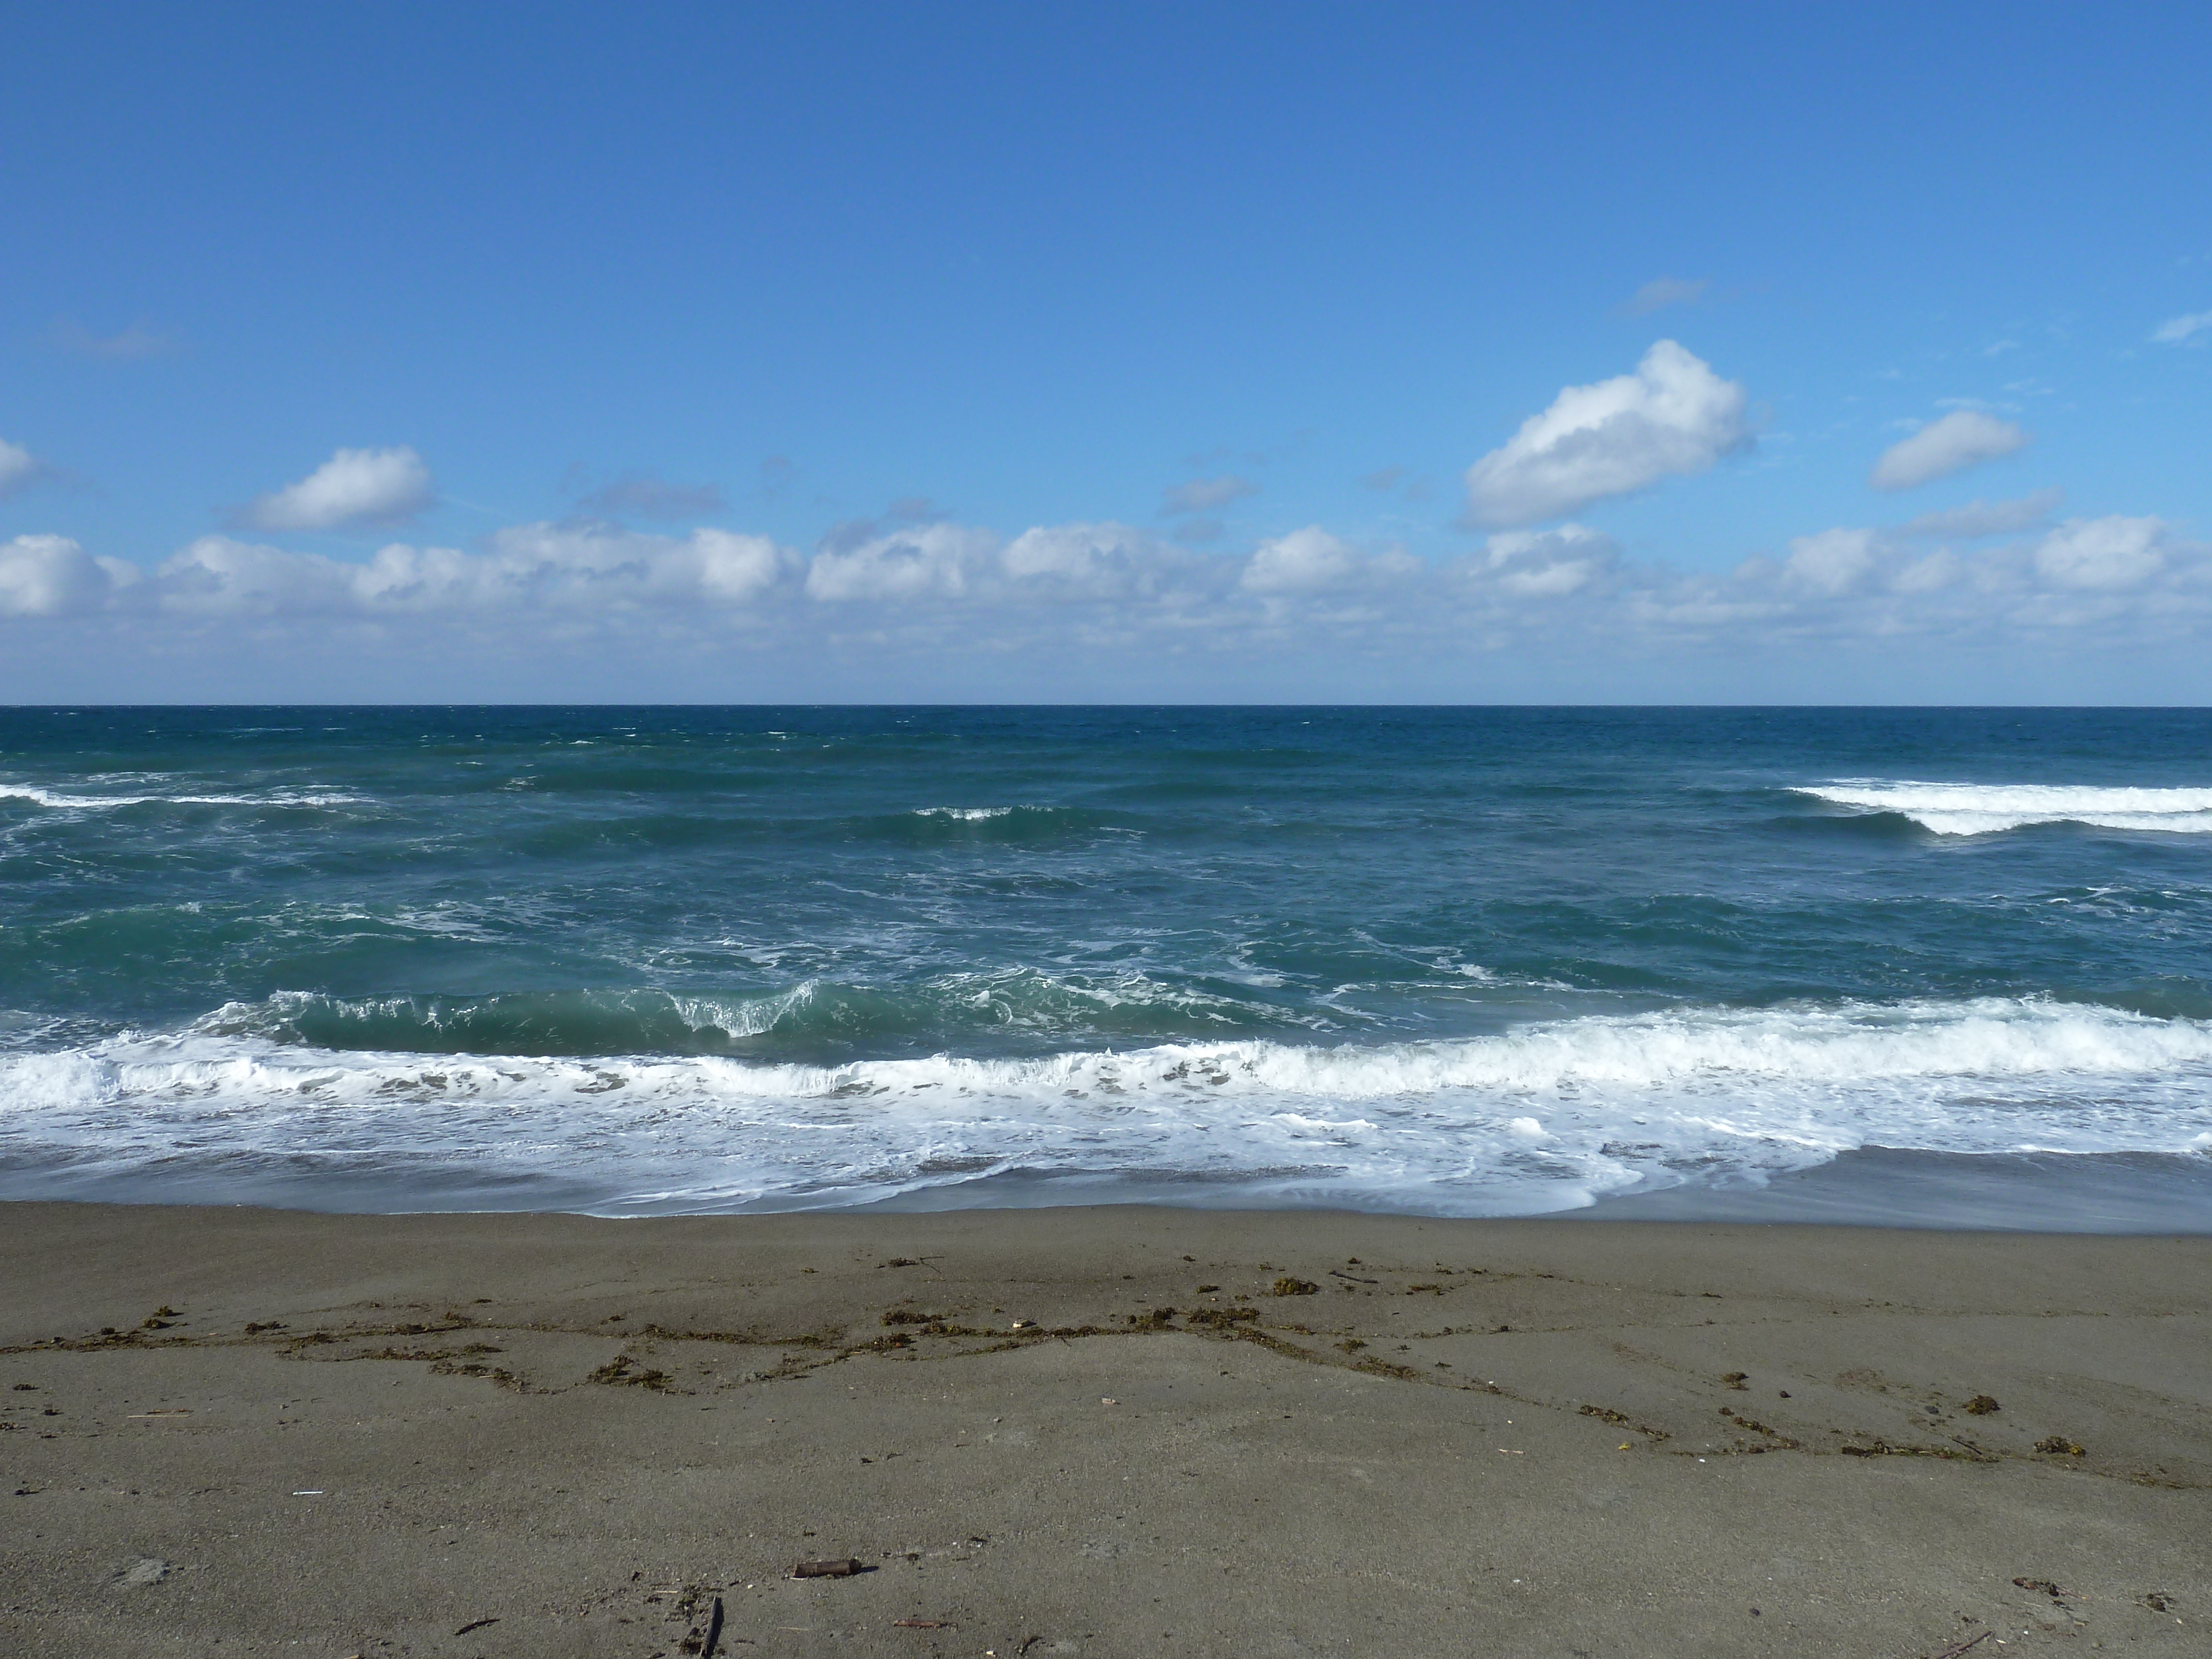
(1541, 1118)
(1980, 808)
(57, 799)
(965, 814)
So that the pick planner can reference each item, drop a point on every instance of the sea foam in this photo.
(1980, 808)
(1544, 1117)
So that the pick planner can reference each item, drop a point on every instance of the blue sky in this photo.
(1234, 352)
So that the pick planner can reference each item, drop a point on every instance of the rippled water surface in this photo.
(1455, 961)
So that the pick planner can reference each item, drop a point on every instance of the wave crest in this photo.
(1980, 808)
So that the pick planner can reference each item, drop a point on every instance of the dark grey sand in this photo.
(374, 1434)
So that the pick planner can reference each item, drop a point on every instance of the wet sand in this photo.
(253, 1432)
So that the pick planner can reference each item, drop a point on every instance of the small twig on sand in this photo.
(1958, 1648)
(713, 1630)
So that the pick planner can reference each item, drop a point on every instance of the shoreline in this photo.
(332, 1434)
(2091, 1194)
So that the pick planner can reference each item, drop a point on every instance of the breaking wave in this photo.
(1981, 809)
(1544, 1117)
(60, 801)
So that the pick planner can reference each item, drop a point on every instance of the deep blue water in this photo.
(1466, 961)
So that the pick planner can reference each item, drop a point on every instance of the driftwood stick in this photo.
(1958, 1648)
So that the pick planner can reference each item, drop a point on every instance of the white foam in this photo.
(1980, 808)
(1535, 1119)
(965, 814)
(60, 801)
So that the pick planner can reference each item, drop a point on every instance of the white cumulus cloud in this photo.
(1094, 560)
(586, 569)
(2112, 552)
(1834, 562)
(52, 576)
(1673, 416)
(1302, 561)
(931, 560)
(1964, 438)
(1547, 564)
(353, 487)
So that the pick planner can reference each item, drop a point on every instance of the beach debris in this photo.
(2043, 1584)
(474, 1624)
(1981, 1406)
(713, 1630)
(1221, 1318)
(1022, 1325)
(1958, 1648)
(170, 1411)
(2058, 1445)
(841, 1567)
(1339, 1272)
(1735, 1379)
(900, 1262)
(1352, 1345)
(623, 1371)
(1287, 1285)
(921, 1623)
(146, 1570)
(1109, 1402)
(2158, 1601)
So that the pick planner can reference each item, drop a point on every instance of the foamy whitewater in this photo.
(1982, 809)
(1449, 961)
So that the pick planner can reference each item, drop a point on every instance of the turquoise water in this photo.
(1455, 961)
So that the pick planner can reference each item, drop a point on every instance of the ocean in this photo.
(1946, 966)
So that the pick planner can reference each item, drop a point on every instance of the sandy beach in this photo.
(1115, 1430)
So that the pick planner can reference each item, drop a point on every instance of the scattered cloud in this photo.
(52, 576)
(590, 570)
(1964, 438)
(1834, 562)
(2113, 552)
(142, 340)
(2194, 328)
(1547, 564)
(1673, 416)
(353, 487)
(1302, 561)
(1098, 592)
(643, 495)
(1980, 518)
(936, 560)
(19, 469)
(1662, 292)
(1206, 495)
